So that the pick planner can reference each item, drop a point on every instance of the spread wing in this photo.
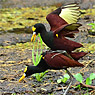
(56, 60)
(62, 16)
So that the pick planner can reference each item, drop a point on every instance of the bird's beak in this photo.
(23, 76)
(33, 36)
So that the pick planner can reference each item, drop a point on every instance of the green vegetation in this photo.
(13, 94)
(22, 17)
(66, 77)
(38, 56)
(88, 12)
(92, 26)
(92, 30)
(90, 78)
(79, 78)
(36, 60)
(90, 47)
(11, 18)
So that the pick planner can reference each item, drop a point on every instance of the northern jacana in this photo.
(56, 61)
(63, 23)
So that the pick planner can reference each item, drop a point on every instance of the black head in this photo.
(38, 28)
(27, 72)
(41, 67)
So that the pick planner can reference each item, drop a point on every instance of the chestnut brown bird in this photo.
(63, 23)
(56, 61)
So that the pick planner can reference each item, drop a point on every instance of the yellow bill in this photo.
(22, 77)
(33, 28)
(33, 36)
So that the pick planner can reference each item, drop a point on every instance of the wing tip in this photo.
(71, 5)
(73, 12)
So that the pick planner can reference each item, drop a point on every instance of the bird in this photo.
(63, 25)
(56, 61)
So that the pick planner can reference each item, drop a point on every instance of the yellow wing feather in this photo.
(70, 13)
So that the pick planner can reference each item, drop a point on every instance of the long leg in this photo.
(71, 80)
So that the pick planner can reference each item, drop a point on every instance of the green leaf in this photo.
(78, 86)
(59, 80)
(64, 80)
(13, 94)
(43, 73)
(66, 76)
(88, 81)
(93, 24)
(92, 76)
(34, 62)
(78, 77)
(38, 77)
(37, 56)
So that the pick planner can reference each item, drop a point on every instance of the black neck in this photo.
(37, 69)
(47, 37)
(34, 69)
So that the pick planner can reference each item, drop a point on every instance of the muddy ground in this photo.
(13, 60)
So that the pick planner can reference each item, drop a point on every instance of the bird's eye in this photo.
(25, 69)
(33, 28)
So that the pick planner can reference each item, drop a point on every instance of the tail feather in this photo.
(77, 55)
